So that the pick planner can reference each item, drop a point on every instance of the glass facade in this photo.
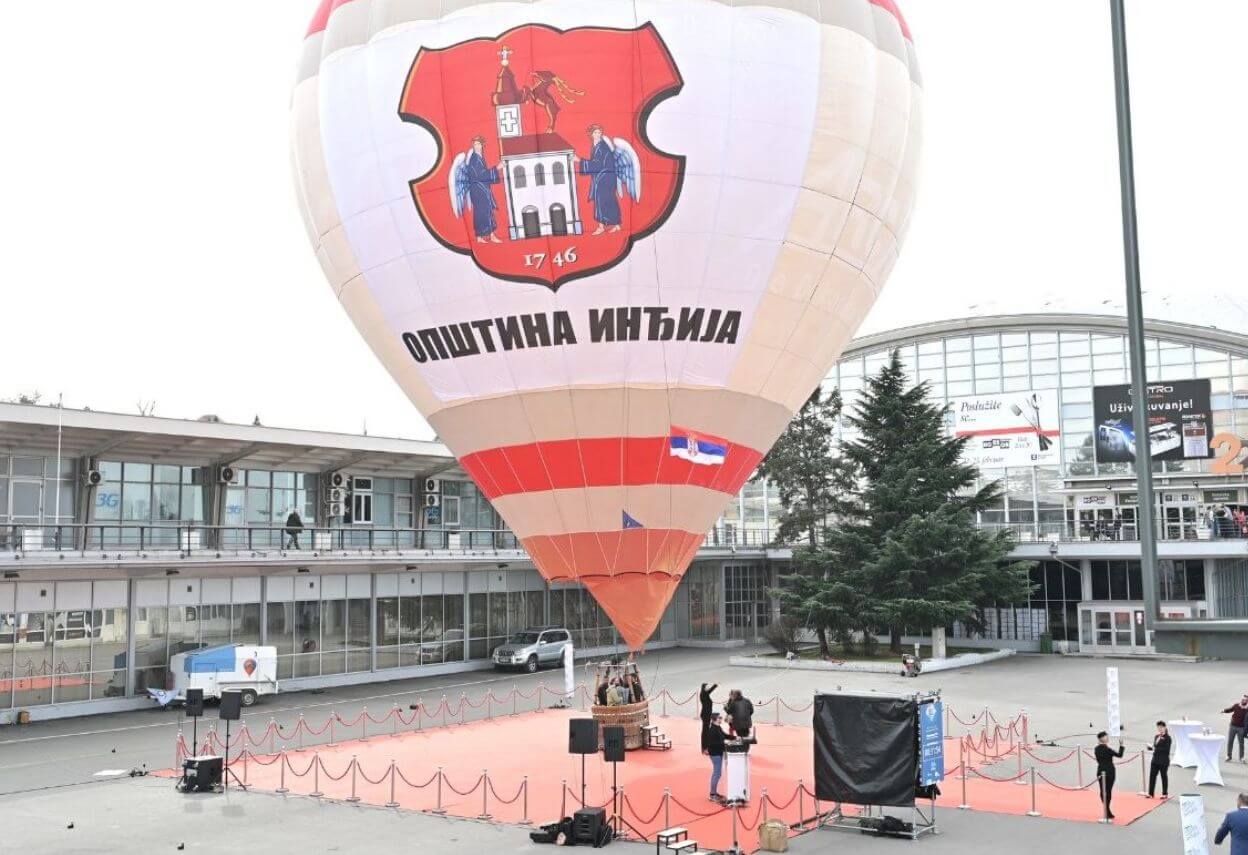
(1071, 362)
(1053, 608)
(32, 491)
(747, 605)
(697, 602)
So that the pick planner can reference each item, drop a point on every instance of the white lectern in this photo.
(738, 776)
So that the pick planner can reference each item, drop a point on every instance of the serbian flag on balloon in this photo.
(607, 247)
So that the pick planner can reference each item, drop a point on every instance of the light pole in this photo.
(1135, 321)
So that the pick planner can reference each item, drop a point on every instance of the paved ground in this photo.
(48, 771)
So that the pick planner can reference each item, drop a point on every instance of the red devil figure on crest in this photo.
(545, 172)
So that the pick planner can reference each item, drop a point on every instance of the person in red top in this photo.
(1239, 719)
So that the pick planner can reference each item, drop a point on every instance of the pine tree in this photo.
(802, 465)
(903, 550)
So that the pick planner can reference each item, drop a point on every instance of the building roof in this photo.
(534, 144)
(31, 428)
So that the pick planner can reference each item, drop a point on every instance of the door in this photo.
(27, 501)
(558, 220)
(532, 222)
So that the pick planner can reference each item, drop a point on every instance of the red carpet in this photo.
(535, 744)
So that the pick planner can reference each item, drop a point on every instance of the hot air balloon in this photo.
(607, 247)
(249, 666)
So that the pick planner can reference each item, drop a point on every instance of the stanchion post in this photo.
(777, 701)
(524, 791)
(394, 773)
(1033, 811)
(735, 846)
(489, 705)
(663, 714)
(1026, 729)
(541, 687)
(1019, 749)
(272, 735)
(1079, 765)
(965, 774)
(460, 712)
(514, 692)
(439, 808)
(354, 767)
(445, 706)
(420, 711)
(1143, 775)
(763, 798)
(396, 715)
(801, 808)
(364, 725)
(563, 797)
(485, 794)
(332, 716)
(299, 730)
(667, 805)
(281, 786)
(316, 776)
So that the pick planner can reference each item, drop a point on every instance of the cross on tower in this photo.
(504, 53)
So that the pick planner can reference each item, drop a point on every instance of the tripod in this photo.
(227, 772)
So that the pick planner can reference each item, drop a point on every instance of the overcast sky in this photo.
(153, 251)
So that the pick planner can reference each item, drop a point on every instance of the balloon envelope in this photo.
(607, 247)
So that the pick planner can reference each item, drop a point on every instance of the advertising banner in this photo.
(1011, 429)
(931, 743)
(1113, 708)
(1094, 501)
(1192, 815)
(1180, 423)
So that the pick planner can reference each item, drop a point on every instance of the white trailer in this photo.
(247, 669)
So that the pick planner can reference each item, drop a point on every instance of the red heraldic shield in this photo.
(544, 172)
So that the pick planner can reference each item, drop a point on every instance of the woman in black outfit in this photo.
(1161, 761)
(704, 698)
(1105, 770)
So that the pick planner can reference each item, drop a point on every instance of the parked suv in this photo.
(532, 648)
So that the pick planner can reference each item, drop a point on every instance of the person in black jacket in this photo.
(1105, 770)
(294, 525)
(704, 699)
(740, 713)
(713, 739)
(1161, 761)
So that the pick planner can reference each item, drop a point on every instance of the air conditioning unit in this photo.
(92, 477)
(433, 485)
(336, 479)
(336, 509)
(433, 500)
(361, 485)
(226, 475)
(335, 494)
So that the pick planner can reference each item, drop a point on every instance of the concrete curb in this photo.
(962, 660)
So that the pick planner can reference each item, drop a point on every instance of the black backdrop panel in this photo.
(865, 750)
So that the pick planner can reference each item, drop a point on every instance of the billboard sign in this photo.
(1011, 429)
(1180, 422)
(931, 743)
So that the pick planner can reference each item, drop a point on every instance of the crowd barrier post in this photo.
(524, 791)
(1100, 783)
(316, 776)
(1033, 811)
(485, 794)
(246, 751)
(541, 688)
(664, 713)
(1026, 729)
(331, 742)
(460, 712)
(965, 774)
(394, 774)
(763, 799)
(282, 789)
(420, 712)
(776, 699)
(272, 735)
(513, 698)
(177, 749)
(299, 730)
(667, 807)
(439, 809)
(1143, 775)
(489, 705)
(582, 693)
(354, 766)
(1079, 765)
(364, 724)
(396, 715)
(563, 798)
(445, 707)
(801, 804)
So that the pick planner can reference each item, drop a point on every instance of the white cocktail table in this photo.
(1180, 732)
(1207, 748)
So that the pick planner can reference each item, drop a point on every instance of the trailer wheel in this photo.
(248, 698)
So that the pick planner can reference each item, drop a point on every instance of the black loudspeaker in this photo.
(588, 825)
(200, 774)
(582, 736)
(613, 744)
(231, 706)
(194, 703)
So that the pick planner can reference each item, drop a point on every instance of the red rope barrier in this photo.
(628, 805)
(467, 792)
(403, 778)
(510, 801)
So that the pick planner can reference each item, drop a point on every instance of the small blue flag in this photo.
(629, 522)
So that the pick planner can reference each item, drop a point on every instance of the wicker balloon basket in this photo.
(632, 717)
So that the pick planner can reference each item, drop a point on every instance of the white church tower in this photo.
(538, 171)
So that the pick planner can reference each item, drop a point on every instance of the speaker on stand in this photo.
(194, 709)
(582, 740)
(231, 709)
(613, 753)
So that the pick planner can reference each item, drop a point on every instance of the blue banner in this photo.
(931, 743)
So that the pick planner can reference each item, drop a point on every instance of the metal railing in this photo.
(203, 540)
(1127, 532)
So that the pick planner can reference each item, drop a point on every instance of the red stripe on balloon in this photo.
(320, 20)
(611, 553)
(606, 462)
